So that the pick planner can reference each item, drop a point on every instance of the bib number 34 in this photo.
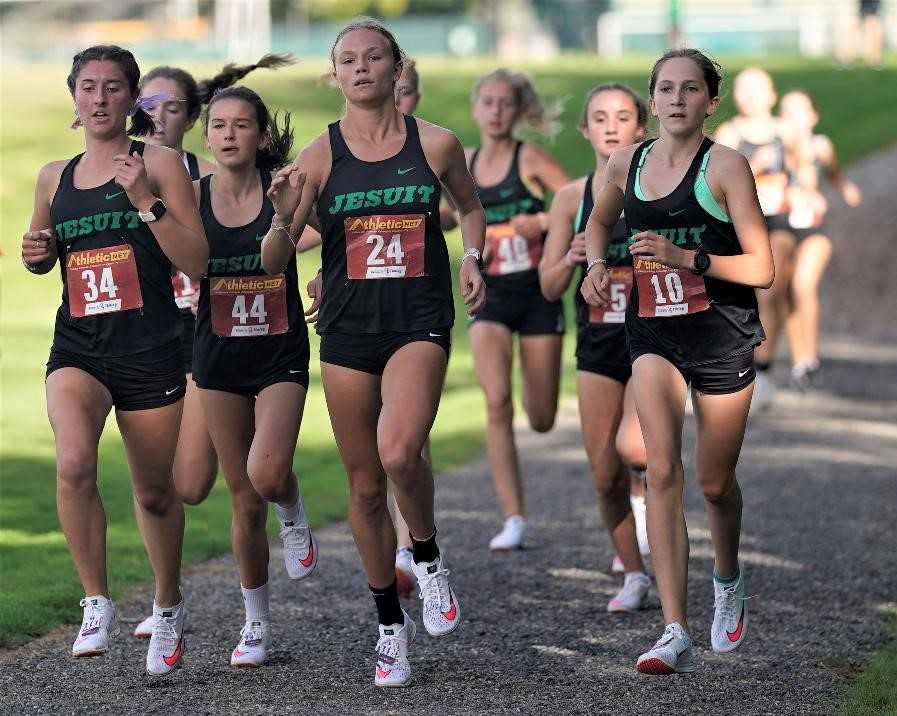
(102, 281)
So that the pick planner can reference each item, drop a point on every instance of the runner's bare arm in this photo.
(849, 191)
(39, 243)
(732, 183)
(558, 259)
(605, 214)
(179, 233)
(538, 168)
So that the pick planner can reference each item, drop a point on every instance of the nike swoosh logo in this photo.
(452, 611)
(112, 196)
(381, 674)
(307, 562)
(400, 172)
(743, 373)
(675, 213)
(296, 371)
(435, 335)
(169, 392)
(734, 636)
(237, 652)
(259, 238)
(173, 659)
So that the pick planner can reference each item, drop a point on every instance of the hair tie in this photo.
(150, 102)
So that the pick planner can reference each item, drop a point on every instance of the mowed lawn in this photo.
(40, 587)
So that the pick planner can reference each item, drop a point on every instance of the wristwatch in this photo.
(471, 251)
(156, 212)
(701, 262)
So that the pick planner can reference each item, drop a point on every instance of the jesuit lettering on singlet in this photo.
(102, 281)
(246, 306)
(391, 196)
(105, 221)
(385, 246)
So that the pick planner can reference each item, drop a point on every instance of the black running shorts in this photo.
(603, 349)
(525, 312)
(142, 381)
(188, 320)
(728, 375)
(370, 352)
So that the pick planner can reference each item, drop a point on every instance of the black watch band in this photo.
(701, 262)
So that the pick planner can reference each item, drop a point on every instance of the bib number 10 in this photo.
(256, 310)
(105, 285)
(674, 291)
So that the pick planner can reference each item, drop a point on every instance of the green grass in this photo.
(876, 690)
(40, 588)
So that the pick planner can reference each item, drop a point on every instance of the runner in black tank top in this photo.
(613, 116)
(769, 145)
(816, 162)
(699, 245)
(386, 313)
(116, 217)
(504, 170)
(251, 354)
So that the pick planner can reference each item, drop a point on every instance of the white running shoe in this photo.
(393, 667)
(144, 630)
(405, 571)
(441, 612)
(252, 650)
(730, 615)
(300, 549)
(632, 596)
(673, 653)
(640, 514)
(511, 535)
(166, 647)
(98, 623)
(764, 393)
(616, 566)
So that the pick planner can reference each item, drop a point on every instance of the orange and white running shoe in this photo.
(441, 611)
(673, 653)
(632, 596)
(300, 549)
(252, 651)
(393, 667)
(166, 647)
(730, 614)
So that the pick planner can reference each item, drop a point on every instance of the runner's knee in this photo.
(155, 499)
(541, 421)
(398, 458)
(718, 490)
(631, 450)
(268, 477)
(499, 407)
(76, 470)
(194, 485)
(368, 500)
(665, 475)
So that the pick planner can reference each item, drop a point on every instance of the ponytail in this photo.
(142, 124)
(231, 73)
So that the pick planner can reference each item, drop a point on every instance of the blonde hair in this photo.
(531, 110)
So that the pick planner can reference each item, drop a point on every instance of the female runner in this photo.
(251, 353)
(117, 217)
(699, 246)
(816, 161)
(614, 116)
(768, 144)
(512, 178)
(386, 312)
(182, 99)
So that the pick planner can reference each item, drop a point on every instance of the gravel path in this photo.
(819, 481)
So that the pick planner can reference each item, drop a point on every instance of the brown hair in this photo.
(141, 123)
(641, 109)
(531, 110)
(713, 73)
(369, 23)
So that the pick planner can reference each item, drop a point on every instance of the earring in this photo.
(76, 122)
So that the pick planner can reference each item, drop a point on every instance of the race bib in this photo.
(620, 286)
(665, 291)
(247, 306)
(184, 289)
(509, 252)
(102, 281)
(771, 193)
(385, 246)
(806, 213)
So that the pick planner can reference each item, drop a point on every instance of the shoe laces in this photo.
(388, 649)
(252, 633)
(728, 602)
(295, 536)
(93, 615)
(165, 628)
(669, 633)
(435, 586)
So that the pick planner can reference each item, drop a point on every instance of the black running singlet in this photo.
(708, 317)
(247, 321)
(192, 164)
(384, 259)
(513, 260)
(116, 280)
(618, 255)
(772, 182)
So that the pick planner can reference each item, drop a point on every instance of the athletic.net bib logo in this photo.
(664, 291)
(248, 306)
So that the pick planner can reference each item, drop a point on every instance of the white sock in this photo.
(633, 575)
(256, 603)
(292, 515)
(174, 610)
